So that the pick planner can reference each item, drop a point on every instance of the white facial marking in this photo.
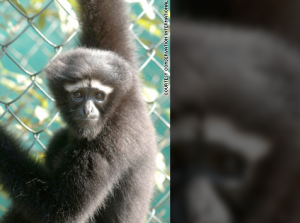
(86, 83)
(97, 84)
(223, 131)
(76, 86)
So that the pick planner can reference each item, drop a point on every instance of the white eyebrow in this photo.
(220, 130)
(76, 86)
(97, 84)
(86, 83)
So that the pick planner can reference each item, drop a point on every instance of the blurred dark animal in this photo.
(235, 126)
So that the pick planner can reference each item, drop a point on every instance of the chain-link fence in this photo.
(33, 32)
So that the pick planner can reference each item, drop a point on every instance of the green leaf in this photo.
(41, 22)
(150, 93)
(19, 6)
(168, 112)
(161, 168)
(150, 26)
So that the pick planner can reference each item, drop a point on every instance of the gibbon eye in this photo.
(77, 95)
(99, 96)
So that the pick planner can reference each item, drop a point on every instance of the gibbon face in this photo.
(86, 100)
(88, 86)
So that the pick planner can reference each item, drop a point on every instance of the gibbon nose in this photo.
(89, 109)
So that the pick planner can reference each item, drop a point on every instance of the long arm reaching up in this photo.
(106, 27)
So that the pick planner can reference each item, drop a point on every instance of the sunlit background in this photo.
(33, 32)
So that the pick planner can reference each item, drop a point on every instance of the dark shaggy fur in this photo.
(278, 17)
(97, 173)
(252, 79)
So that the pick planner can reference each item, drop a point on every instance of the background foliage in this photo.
(33, 32)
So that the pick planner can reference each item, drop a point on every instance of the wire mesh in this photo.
(32, 33)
